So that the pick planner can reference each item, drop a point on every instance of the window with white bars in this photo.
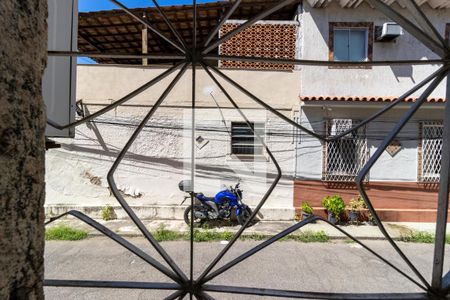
(431, 151)
(244, 141)
(344, 157)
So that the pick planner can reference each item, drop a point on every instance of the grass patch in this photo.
(200, 235)
(108, 213)
(162, 234)
(64, 233)
(309, 237)
(421, 237)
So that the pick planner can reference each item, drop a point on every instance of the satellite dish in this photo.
(59, 82)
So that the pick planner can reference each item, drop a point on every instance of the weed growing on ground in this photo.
(64, 233)
(419, 237)
(108, 213)
(162, 234)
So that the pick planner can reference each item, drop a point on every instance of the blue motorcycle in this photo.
(223, 206)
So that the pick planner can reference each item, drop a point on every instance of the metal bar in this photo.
(391, 105)
(121, 241)
(311, 295)
(264, 198)
(177, 295)
(442, 211)
(112, 284)
(119, 197)
(170, 25)
(410, 27)
(364, 171)
(424, 22)
(324, 137)
(247, 24)
(325, 63)
(201, 295)
(124, 99)
(290, 230)
(146, 23)
(115, 55)
(221, 22)
(263, 104)
(194, 50)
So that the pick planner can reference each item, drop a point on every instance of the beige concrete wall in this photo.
(98, 83)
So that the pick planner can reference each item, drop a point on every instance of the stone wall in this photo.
(23, 47)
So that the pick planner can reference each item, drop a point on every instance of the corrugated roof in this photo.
(365, 99)
(436, 4)
(116, 31)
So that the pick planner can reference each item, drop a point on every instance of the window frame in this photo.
(368, 26)
(326, 176)
(255, 124)
(421, 178)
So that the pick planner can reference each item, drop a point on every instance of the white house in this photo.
(226, 149)
(401, 184)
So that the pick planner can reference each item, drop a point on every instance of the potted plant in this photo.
(335, 206)
(354, 209)
(307, 210)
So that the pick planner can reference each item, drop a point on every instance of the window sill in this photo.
(247, 157)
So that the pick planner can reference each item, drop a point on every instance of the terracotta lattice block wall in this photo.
(272, 40)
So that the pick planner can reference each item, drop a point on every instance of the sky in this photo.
(95, 5)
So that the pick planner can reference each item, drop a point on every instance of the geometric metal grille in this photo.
(432, 132)
(195, 55)
(344, 157)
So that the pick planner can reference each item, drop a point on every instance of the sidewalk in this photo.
(363, 231)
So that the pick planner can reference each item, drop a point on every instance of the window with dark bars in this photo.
(344, 157)
(432, 132)
(243, 141)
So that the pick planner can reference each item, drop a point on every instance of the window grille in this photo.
(344, 157)
(243, 141)
(430, 162)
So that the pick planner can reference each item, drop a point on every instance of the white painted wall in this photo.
(401, 167)
(381, 81)
(384, 81)
(158, 159)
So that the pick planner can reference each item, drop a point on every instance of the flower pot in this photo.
(331, 218)
(353, 216)
(305, 215)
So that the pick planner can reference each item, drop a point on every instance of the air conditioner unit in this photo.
(387, 32)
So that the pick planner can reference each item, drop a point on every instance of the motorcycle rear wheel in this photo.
(244, 215)
(187, 217)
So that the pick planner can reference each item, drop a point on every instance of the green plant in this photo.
(310, 237)
(418, 237)
(334, 205)
(162, 234)
(64, 233)
(108, 213)
(306, 208)
(357, 204)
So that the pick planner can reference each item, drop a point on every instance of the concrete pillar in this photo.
(23, 52)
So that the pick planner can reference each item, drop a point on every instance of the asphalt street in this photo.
(337, 266)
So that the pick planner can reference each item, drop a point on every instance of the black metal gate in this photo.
(192, 55)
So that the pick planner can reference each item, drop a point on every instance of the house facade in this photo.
(327, 100)
(226, 150)
(402, 185)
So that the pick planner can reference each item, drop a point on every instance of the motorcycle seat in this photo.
(202, 197)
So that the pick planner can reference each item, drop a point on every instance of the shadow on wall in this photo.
(151, 163)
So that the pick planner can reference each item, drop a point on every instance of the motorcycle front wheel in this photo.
(187, 217)
(244, 215)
